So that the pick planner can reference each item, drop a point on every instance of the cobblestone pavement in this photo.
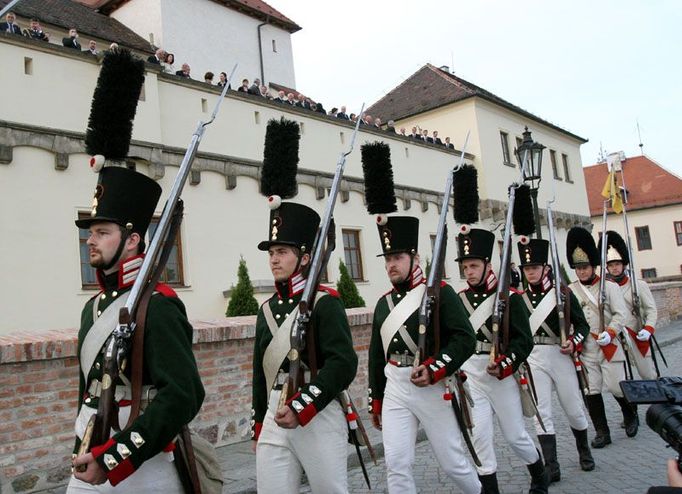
(626, 466)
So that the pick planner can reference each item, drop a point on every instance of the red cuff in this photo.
(504, 363)
(375, 406)
(611, 333)
(305, 412)
(436, 370)
(650, 329)
(257, 428)
(124, 470)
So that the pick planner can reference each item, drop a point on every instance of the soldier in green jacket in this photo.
(138, 458)
(401, 397)
(309, 433)
(493, 389)
(552, 359)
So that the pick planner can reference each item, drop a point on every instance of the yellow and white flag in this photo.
(612, 191)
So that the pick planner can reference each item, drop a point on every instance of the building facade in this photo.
(654, 213)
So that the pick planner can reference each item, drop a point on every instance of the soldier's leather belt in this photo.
(123, 393)
(483, 347)
(281, 378)
(546, 340)
(401, 359)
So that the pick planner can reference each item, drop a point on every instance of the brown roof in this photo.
(430, 88)
(254, 8)
(648, 184)
(67, 14)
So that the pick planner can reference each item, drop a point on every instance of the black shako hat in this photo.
(616, 250)
(125, 197)
(291, 224)
(581, 248)
(533, 251)
(475, 243)
(398, 234)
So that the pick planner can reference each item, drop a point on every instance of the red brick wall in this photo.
(39, 387)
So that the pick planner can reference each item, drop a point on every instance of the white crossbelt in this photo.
(397, 317)
(480, 315)
(541, 312)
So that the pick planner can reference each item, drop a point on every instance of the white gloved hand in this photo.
(604, 338)
(643, 335)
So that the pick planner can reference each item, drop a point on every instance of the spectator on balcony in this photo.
(92, 48)
(113, 47)
(264, 92)
(320, 108)
(425, 136)
(390, 126)
(222, 79)
(448, 144)
(36, 31)
(184, 72)
(334, 112)
(72, 40)
(290, 99)
(158, 57)
(305, 102)
(436, 139)
(353, 117)
(281, 97)
(168, 63)
(402, 132)
(10, 25)
(255, 87)
(377, 123)
(342, 113)
(244, 88)
(368, 120)
(208, 77)
(414, 134)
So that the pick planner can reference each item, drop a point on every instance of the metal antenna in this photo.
(639, 134)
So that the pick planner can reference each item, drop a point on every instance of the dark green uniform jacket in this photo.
(456, 340)
(536, 294)
(337, 361)
(169, 367)
(520, 340)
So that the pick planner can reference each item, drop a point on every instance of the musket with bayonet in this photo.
(559, 292)
(500, 317)
(624, 343)
(118, 345)
(636, 307)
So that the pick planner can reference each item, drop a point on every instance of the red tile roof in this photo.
(648, 184)
(67, 14)
(430, 88)
(254, 8)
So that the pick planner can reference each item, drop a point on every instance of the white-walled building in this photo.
(213, 35)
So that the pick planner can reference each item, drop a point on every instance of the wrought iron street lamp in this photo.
(529, 154)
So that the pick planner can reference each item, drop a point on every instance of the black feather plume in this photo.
(523, 219)
(280, 158)
(114, 104)
(378, 172)
(465, 193)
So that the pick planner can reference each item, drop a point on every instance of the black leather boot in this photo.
(630, 417)
(548, 445)
(489, 484)
(584, 453)
(595, 405)
(539, 479)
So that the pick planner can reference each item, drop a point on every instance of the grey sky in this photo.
(591, 67)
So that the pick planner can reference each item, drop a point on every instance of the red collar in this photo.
(488, 285)
(292, 287)
(127, 272)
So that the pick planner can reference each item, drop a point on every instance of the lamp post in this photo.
(529, 154)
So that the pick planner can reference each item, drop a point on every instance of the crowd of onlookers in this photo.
(166, 61)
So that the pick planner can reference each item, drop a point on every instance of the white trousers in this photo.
(553, 370)
(493, 397)
(158, 474)
(643, 363)
(601, 372)
(405, 406)
(320, 449)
